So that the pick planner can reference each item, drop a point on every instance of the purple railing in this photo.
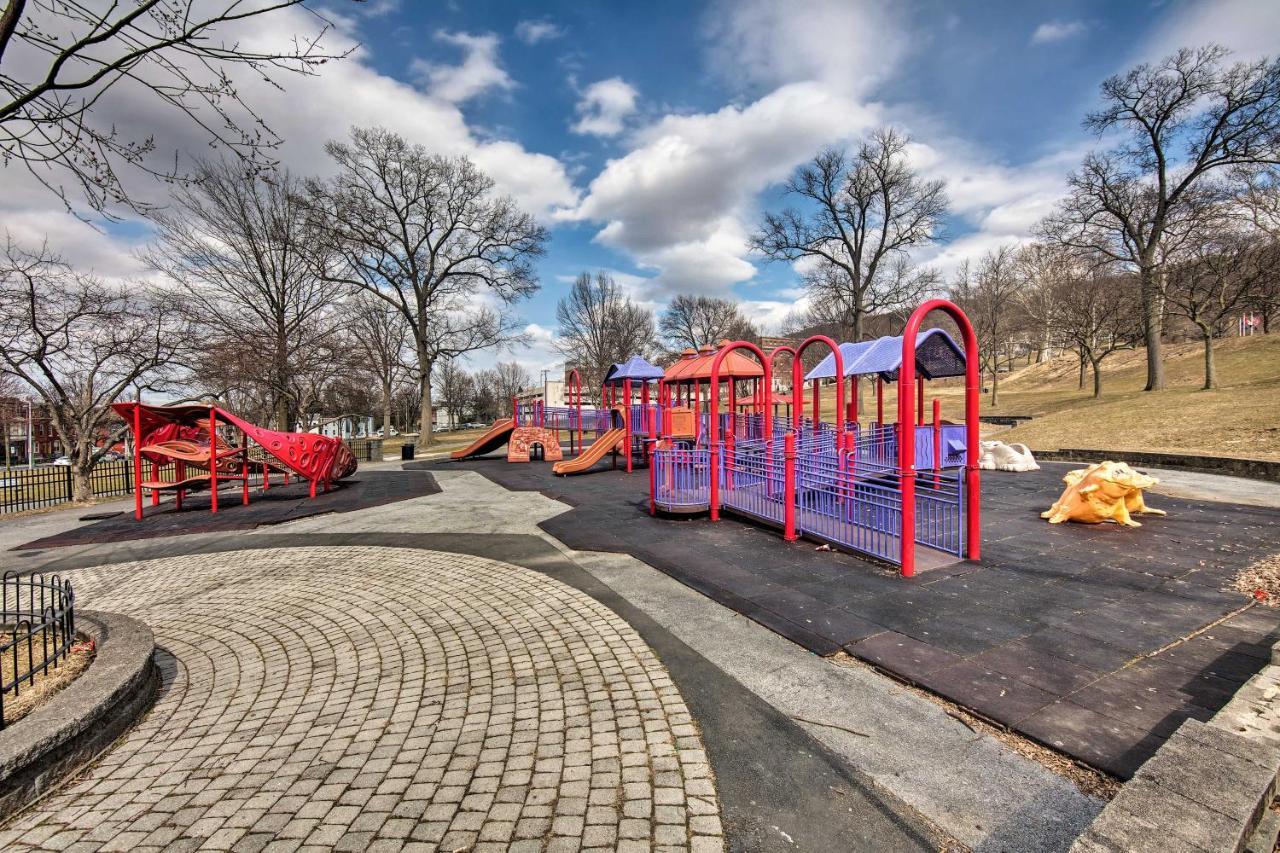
(681, 479)
(752, 479)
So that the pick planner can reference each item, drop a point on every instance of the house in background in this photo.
(345, 427)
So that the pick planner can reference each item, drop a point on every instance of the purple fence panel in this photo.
(752, 481)
(682, 479)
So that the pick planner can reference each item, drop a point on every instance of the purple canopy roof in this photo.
(636, 369)
(937, 355)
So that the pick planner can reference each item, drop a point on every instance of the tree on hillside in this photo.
(1258, 202)
(511, 378)
(379, 338)
(691, 321)
(1209, 285)
(864, 212)
(990, 299)
(427, 234)
(239, 248)
(80, 344)
(61, 62)
(1185, 120)
(1095, 312)
(600, 325)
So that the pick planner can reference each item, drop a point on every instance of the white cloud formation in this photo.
(303, 115)
(1251, 28)
(478, 73)
(605, 106)
(1051, 31)
(533, 32)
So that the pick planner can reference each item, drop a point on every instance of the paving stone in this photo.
(442, 702)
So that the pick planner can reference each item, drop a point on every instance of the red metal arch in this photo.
(797, 383)
(766, 365)
(906, 441)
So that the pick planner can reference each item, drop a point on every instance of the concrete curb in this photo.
(1208, 788)
(1231, 466)
(85, 718)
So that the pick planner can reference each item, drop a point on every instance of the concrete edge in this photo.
(80, 722)
(1208, 787)
(1232, 466)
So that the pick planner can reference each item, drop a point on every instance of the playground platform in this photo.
(1095, 640)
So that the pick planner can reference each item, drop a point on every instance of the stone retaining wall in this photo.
(85, 717)
(1253, 469)
(1207, 789)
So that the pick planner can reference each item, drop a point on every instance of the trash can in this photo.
(406, 452)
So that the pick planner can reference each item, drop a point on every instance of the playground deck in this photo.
(1090, 639)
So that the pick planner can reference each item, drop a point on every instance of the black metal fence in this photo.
(366, 449)
(37, 629)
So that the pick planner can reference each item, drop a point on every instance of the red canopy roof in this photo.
(696, 367)
(778, 400)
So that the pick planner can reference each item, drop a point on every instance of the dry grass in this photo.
(47, 684)
(1089, 780)
(1261, 580)
(1241, 418)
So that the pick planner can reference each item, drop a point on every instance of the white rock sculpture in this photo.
(998, 456)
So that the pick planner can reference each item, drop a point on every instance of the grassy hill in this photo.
(1240, 418)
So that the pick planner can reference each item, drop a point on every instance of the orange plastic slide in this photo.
(614, 438)
(493, 438)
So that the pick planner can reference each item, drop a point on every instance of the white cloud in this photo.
(1051, 31)
(848, 45)
(605, 106)
(478, 73)
(1251, 28)
(532, 32)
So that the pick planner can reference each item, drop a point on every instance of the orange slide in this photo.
(493, 438)
(614, 438)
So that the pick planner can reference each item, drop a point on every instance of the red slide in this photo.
(493, 438)
(614, 438)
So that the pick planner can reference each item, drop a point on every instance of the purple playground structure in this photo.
(852, 485)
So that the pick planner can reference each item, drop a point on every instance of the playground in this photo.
(713, 520)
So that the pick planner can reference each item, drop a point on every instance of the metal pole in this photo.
(31, 461)
(789, 487)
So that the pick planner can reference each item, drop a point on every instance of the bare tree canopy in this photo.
(691, 321)
(990, 299)
(457, 389)
(60, 60)
(599, 326)
(865, 212)
(1094, 310)
(427, 234)
(379, 338)
(1185, 120)
(240, 248)
(80, 343)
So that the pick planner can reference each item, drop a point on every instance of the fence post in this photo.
(67, 479)
(789, 487)
(651, 445)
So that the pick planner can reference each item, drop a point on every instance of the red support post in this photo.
(179, 472)
(137, 461)
(244, 466)
(213, 459)
(789, 487)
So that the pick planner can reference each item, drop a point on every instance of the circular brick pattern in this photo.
(382, 698)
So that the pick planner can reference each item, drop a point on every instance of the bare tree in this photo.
(990, 300)
(1095, 311)
(691, 321)
(867, 211)
(1209, 284)
(80, 343)
(489, 404)
(380, 339)
(456, 388)
(240, 248)
(1258, 202)
(512, 378)
(1185, 119)
(61, 61)
(428, 235)
(600, 325)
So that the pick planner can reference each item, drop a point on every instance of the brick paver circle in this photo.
(365, 698)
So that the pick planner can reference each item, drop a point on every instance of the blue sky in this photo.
(650, 136)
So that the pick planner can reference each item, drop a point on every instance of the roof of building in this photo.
(937, 356)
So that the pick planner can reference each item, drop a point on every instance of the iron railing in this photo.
(37, 629)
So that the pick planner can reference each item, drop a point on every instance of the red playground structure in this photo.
(190, 437)
(904, 492)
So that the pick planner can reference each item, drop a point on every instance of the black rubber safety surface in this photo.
(1059, 632)
(278, 504)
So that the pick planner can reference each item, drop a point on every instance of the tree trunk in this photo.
(1153, 327)
(858, 385)
(1083, 365)
(1097, 378)
(424, 386)
(1210, 371)
(386, 409)
(995, 385)
(81, 486)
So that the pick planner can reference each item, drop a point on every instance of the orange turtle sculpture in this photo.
(1105, 491)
